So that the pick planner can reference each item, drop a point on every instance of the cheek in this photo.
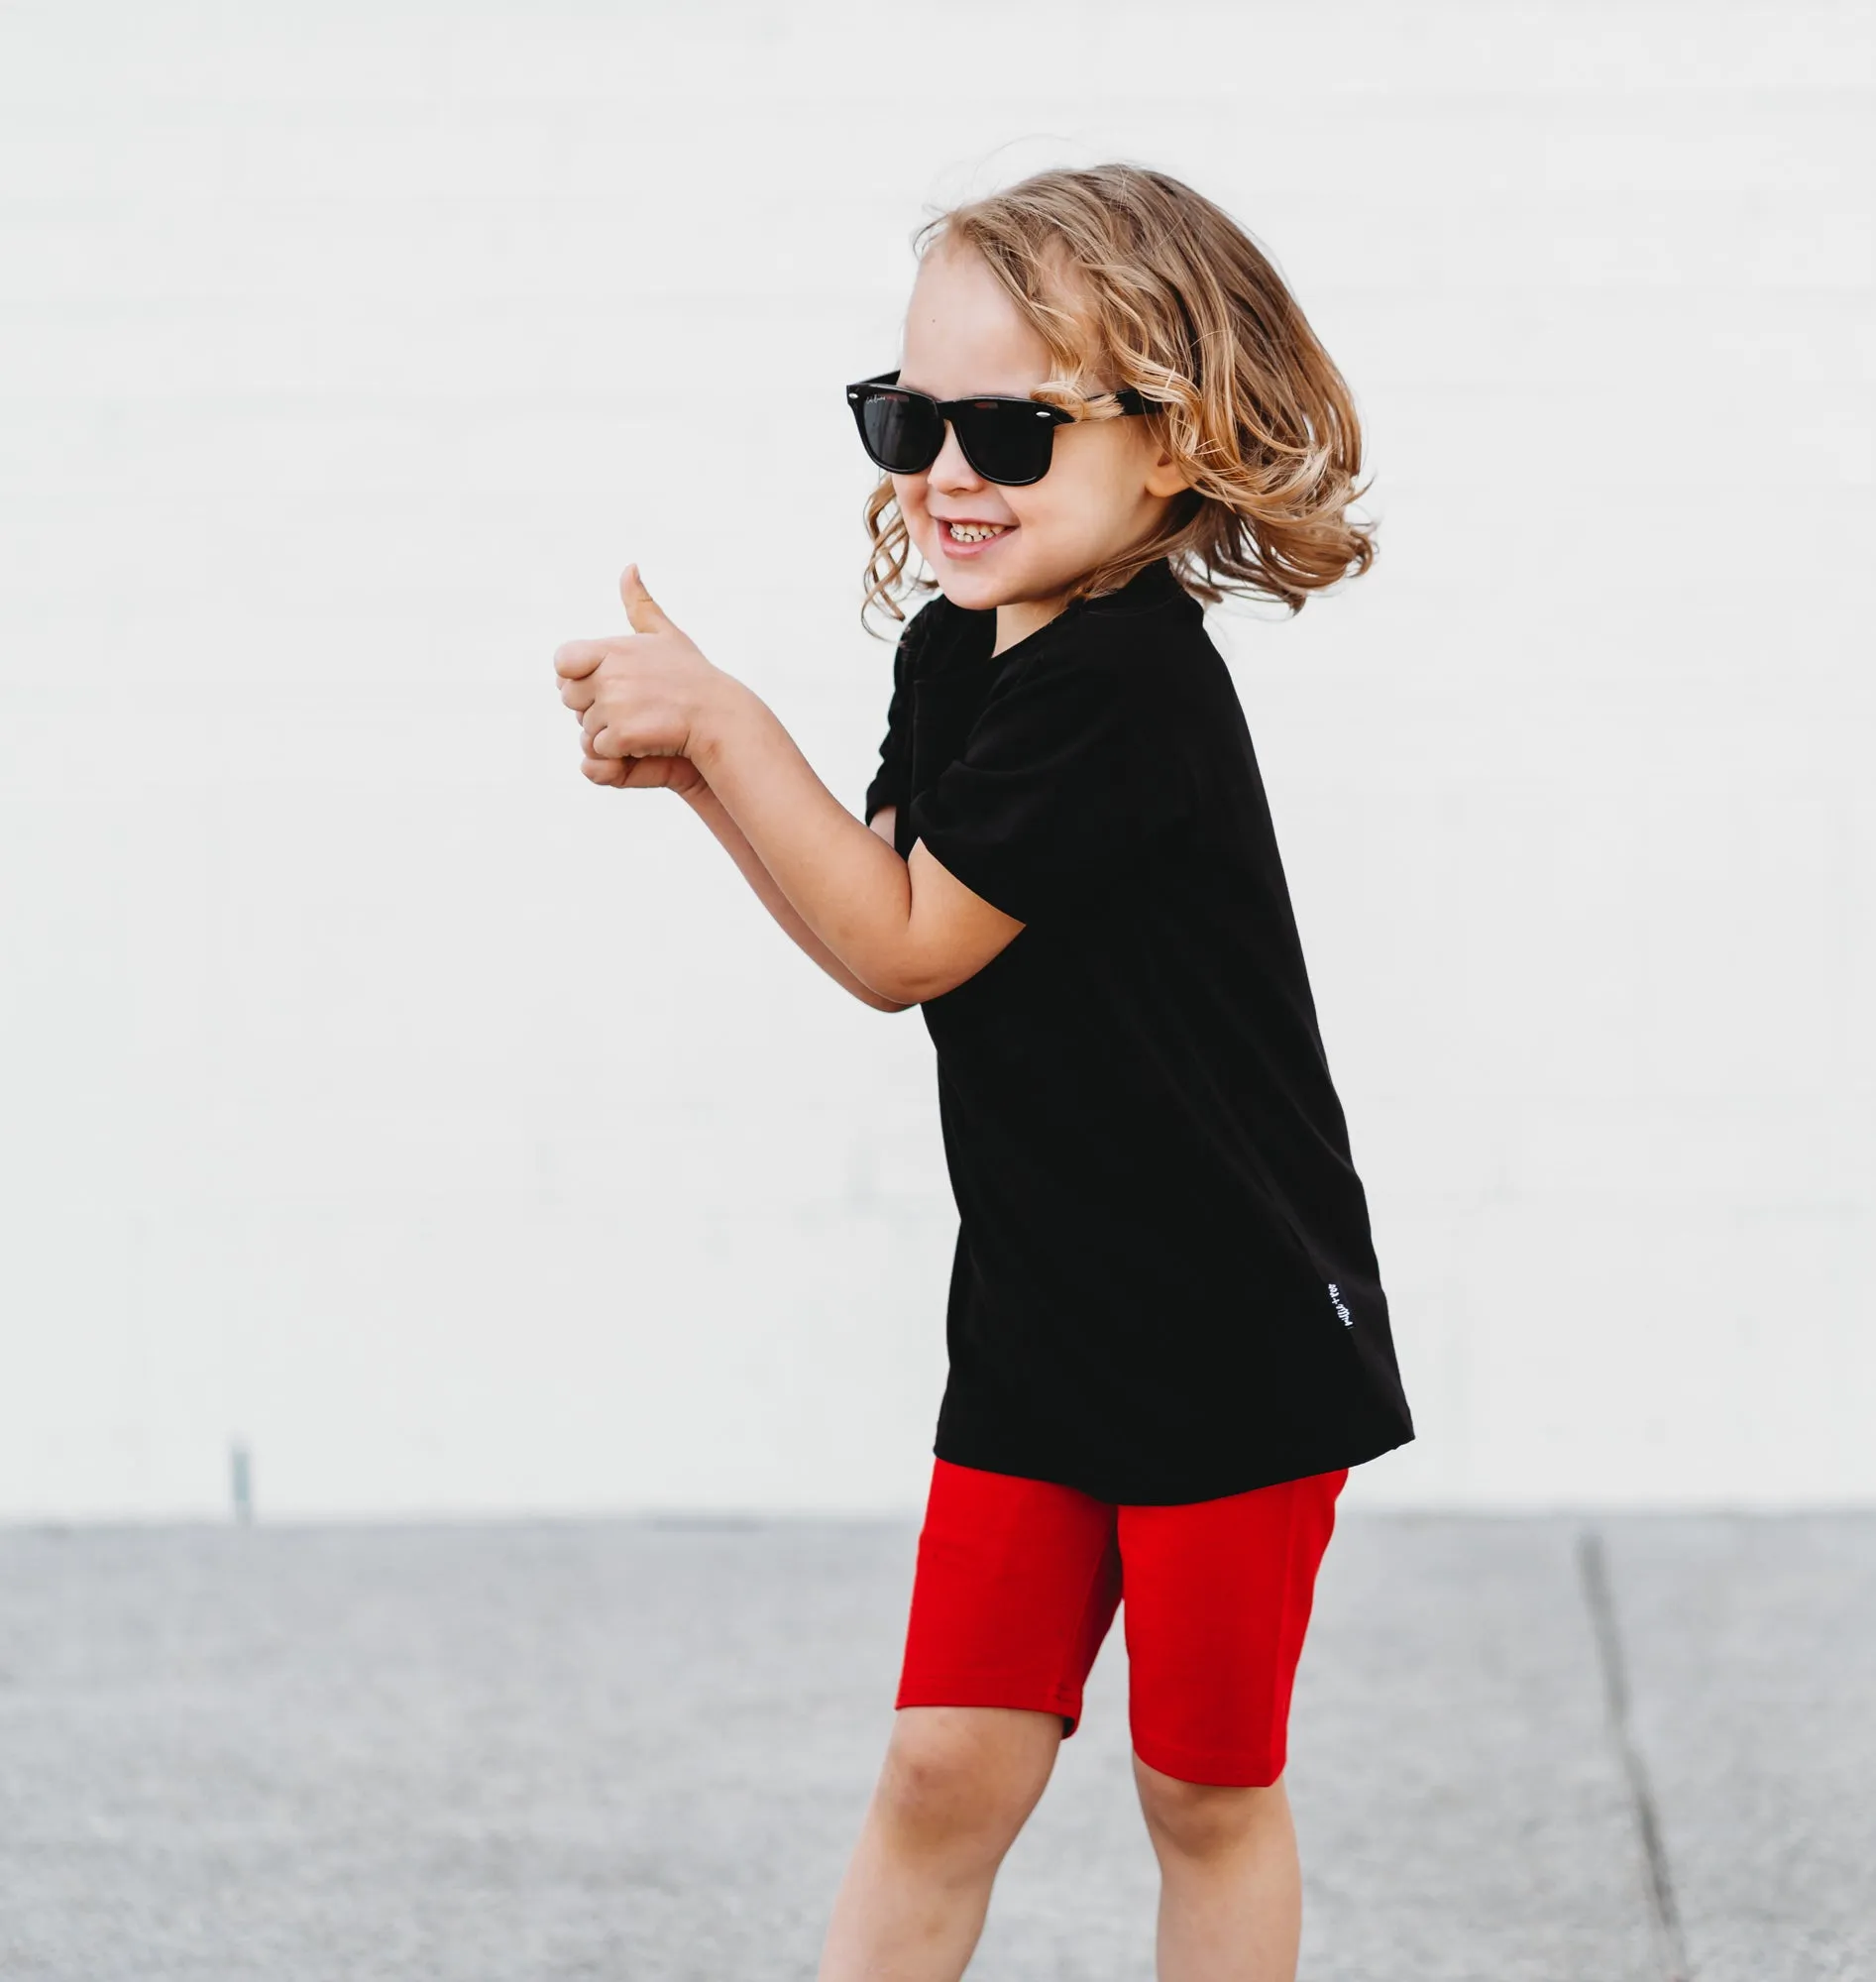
(1099, 496)
(1091, 474)
(1059, 502)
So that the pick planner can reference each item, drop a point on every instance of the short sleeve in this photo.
(1074, 780)
(893, 777)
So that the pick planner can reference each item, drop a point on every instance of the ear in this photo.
(1166, 477)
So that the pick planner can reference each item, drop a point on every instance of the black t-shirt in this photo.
(1163, 1288)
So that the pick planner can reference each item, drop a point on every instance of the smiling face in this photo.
(1107, 486)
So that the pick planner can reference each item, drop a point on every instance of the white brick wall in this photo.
(465, 1137)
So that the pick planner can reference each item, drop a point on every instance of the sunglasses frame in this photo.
(948, 410)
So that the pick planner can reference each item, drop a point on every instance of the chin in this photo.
(977, 591)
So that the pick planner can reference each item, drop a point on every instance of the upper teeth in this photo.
(971, 533)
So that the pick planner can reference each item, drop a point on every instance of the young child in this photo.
(1167, 1335)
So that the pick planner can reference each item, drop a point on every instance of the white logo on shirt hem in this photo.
(1341, 1306)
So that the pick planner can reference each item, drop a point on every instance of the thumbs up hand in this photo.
(645, 698)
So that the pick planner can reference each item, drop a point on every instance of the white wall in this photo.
(465, 1137)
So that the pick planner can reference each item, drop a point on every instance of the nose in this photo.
(951, 471)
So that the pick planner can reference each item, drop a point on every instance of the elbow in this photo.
(916, 972)
(891, 974)
(892, 995)
(893, 990)
(883, 990)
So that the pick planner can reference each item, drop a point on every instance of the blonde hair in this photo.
(1133, 279)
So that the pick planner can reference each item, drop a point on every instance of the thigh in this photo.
(1218, 1595)
(1016, 1585)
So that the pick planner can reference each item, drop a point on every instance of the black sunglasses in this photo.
(1005, 439)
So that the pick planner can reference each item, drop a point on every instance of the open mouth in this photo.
(965, 539)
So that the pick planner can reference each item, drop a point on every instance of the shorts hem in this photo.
(982, 1691)
(1224, 1768)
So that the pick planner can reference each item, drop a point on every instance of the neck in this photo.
(1022, 617)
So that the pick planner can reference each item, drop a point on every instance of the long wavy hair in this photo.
(1133, 279)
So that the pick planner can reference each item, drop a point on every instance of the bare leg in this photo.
(1231, 1899)
(957, 1786)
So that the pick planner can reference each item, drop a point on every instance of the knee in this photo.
(964, 1775)
(1205, 1819)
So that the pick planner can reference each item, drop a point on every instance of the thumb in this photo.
(644, 610)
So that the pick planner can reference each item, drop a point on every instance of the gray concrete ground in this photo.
(1521, 1748)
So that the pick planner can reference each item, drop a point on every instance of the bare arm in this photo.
(709, 807)
(906, 928)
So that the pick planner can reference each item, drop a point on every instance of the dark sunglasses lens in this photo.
(903, 435)
(1007, 443)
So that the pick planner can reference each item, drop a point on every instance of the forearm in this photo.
(703, 801)
(850, 890)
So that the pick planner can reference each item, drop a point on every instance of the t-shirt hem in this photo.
(1160, 1490)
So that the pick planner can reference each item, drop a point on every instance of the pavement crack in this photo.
(1663, 1908)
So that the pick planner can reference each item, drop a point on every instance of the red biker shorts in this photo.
(1018, 1581)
